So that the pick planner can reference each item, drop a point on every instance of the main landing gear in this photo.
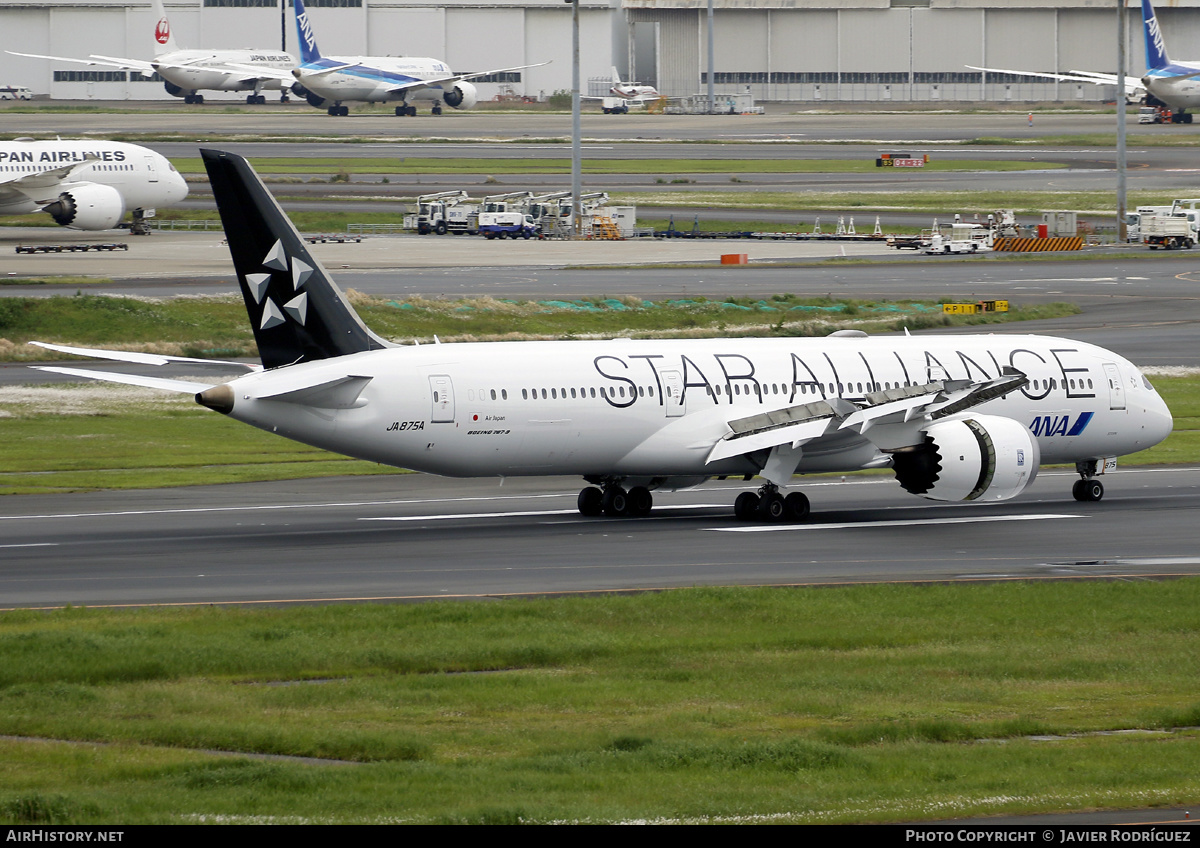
(615, 502)
(1088, 488)
(338, 111)
(256, 100)
(769, 504)
(406, 111)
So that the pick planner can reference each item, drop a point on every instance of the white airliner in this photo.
(85, 185)
(958, 418)
(331, 81)
(1171, 83)
(187, 72)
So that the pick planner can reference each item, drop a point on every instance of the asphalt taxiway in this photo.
(409, 537)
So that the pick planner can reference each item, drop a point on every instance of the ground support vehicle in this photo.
(511, 224)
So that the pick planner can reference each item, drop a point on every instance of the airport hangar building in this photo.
(798, 51)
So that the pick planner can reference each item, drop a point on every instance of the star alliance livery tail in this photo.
(298, 314)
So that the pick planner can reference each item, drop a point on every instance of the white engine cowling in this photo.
(88, 206)
(983, 457)
(462, 96)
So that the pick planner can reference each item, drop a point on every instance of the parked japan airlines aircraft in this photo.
(331, 81)
(1165, 81)
(187, 72)
(85, 185)
(957, 418)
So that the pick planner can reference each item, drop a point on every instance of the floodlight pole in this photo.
(576, 147)
(1122, 231)
(712, 97)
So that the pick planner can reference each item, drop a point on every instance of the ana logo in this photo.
(162, 31)
(1054, 425)
(1156, 35)
(306, 31)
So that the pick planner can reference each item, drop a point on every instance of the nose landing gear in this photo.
(1087, 489)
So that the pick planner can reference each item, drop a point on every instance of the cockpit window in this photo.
(1146, 382)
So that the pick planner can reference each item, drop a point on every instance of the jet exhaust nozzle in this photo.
(219, 398)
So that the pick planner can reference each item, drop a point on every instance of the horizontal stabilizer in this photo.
(143, 358)
(185, 386)
(341, 393)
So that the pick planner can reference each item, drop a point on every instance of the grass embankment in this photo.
(857, 704)
(216, 328)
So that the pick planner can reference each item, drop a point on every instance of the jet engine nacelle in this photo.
(984, 457)
(462, 96)
(173, 89)
(88, 206)
(314, 100)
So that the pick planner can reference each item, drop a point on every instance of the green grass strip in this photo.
(856, 704)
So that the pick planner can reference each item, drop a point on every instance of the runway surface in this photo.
(414, 537)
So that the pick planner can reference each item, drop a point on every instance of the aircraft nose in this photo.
(1160, 422)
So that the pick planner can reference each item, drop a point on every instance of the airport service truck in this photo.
(446, 212)
(1174, 229)
(511, 224)
(962, 238)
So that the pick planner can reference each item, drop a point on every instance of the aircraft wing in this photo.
(891, 419)
(42, 186)
(145, 68)
(143, 358)
(184, 386)
(305, 72)
(452, 78)
(1132, 84)
(255, 73)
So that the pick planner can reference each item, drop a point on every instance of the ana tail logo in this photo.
(1156, 34)
(162, 31)
(306, 31)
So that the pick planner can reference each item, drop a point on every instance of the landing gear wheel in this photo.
(746, 505)
(411, 111)
(797, 506)
(436, 110)
(400, 112)
(640, 501)
(771, 507)
(616, 502)
(1090, 490)
(591, 502)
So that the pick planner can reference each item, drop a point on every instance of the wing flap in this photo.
(789, 425)
(890, 419)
